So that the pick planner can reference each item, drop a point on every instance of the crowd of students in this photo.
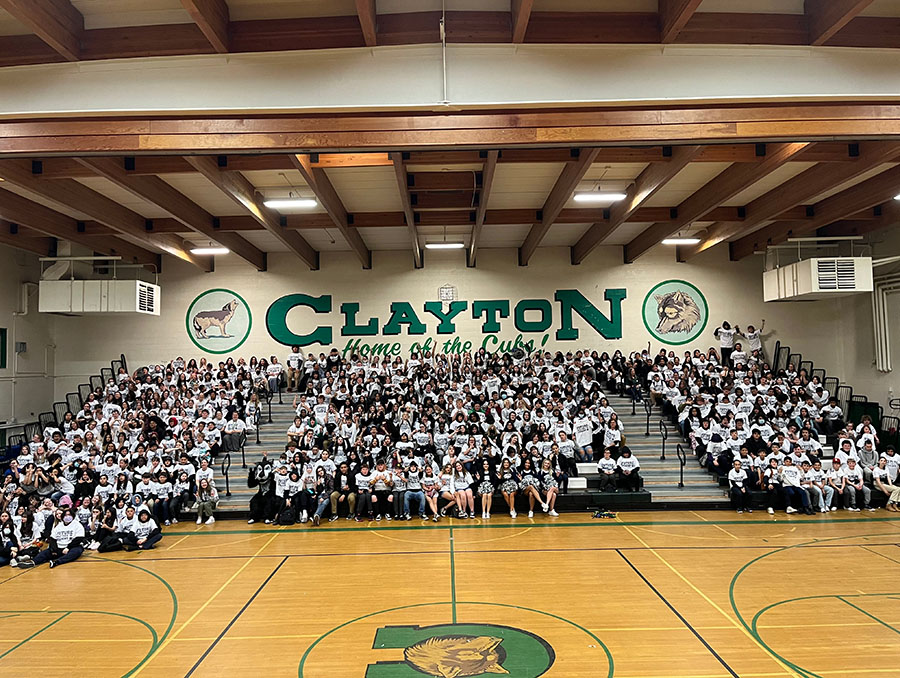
(437, 434)
(135, 458)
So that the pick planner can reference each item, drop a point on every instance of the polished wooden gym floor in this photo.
(674, 594)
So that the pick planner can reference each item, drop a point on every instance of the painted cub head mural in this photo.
(678, 312)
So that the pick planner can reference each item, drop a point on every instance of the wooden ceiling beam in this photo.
(520, 11)
(880, 188)
(673, 16)
(57, 22)
(365, 10)
(490, 167)
(886, 215)
(18, 210)
(156, 191)
(560, 194)
(800, 189)
(721, 188)
(409, 216)
(211, 17)
(242, 192)
(321, 186)
(655, 176)
(76, 196)
(11, 235)
(444, 181)
(827, 17)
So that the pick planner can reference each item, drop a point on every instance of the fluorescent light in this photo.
(599, 196)
(681, 241)
(896, 197)
(290, 203)
(210, 250)
(444, 245)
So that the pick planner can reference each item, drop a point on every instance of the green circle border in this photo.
(187, 321)
(653, 332)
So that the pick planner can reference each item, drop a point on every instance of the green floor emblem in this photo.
(458, 650)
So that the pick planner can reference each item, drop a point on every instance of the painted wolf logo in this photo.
(204, 320)
(457, 656)
(678, 312)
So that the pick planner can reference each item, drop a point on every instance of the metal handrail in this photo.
(226, 466)
(648, 409)
(683, 459)
(664, 434)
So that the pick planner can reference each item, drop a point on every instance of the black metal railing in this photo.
(226, 467)
(664, 434)
(682, 457)
(648, 409)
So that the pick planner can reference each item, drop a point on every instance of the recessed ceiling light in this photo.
(444, 245)
(599, 196)
(681, 241)
(290, 203)
(210, 250)
(896, 197)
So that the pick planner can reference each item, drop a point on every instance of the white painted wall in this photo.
(410, 77)
(26, 385)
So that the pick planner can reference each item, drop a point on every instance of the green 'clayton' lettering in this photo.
(540, 305)
(446, 317)
(276, 320)
(350, 328)
(402, 313)
(608, 328)
(490, 310)
(461, 649)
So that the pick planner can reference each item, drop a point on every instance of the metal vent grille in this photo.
(836, 274)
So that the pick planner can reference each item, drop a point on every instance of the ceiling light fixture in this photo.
(681, 241)
(210, 250)
(290, 203)
(896, 197)
(599, 196)
(444, 245)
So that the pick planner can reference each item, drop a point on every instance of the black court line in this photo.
(235, 618)
(678, 614)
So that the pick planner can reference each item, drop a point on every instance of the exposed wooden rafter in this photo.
(11, 235)
(156, 191)
(408, 215)
(560, 194)
(328, 197)
(241, 191)
(57, 22)
(655, 176)
(487, 182)
(211, 16)
(798, 190)
(718, 190)
(521, 13)
(368, 21)
(673, 16)
(76, 196)
(874, 191)
(827, 17)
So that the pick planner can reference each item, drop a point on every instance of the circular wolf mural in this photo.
(218, 321)
(675, 312)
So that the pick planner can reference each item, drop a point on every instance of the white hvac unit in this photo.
(99, 296)
(818, 278)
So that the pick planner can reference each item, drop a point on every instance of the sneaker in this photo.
(512, 514)
(739, 511)
(267, 521)
(24, 559)
(869, 508)
(13, 562)
(545, 507)
(251, 521)
(552, 512)
(316, 519)
(358, 519)
(351, 516)
(434, 519)
(378, 517)
(94, 545)
(790, 509)
(200, 520)
(834, 508)
(52, 564)
(332, 519)
(472, 515)
(483, 515)
(854, 509)
(25, 564)
(406, 516)
(174, 521)
(749, 510)
(462, 515)
(531, 514)
(168, 522)
(304, 517)
(771, 511)
(210, 521)
(422, 516)
(388, 516)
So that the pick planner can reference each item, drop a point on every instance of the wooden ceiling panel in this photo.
(767, 183)
(119, 13)
(685, 183)
(123, 197)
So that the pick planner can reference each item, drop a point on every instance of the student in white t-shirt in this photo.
(741, 499)
(725, 334)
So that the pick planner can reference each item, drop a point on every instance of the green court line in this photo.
(312, 646)
(598, 523)
(35, 634)
(452, 577)
(871, 616)
(752, 628)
